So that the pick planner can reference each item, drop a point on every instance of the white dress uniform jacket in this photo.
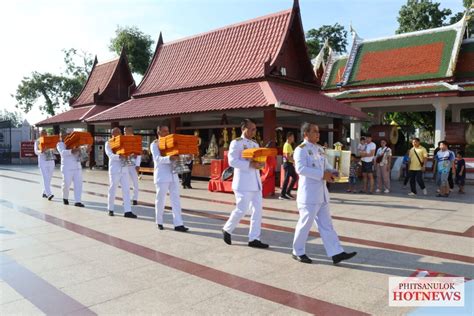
(118, 173)
(165, 180)
(72, 171)
(313, 199)
(247, 187)
(245, 178)
(46, 168)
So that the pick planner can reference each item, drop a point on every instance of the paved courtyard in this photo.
(58, 259)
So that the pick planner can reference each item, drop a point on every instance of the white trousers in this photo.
(319, 213)
(161, 189)
(68, 177)
(245, 202)
(47, 173)
(114, 180)
(134, 177)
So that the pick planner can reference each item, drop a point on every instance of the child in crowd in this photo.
(406, 163)
(444, 161)
(353, 173)
(460, 171)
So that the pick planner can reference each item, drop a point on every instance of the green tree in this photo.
(470, 24)
(137, 45)
(418, 15)
(51, 91)
(15, 117)
(336, 35)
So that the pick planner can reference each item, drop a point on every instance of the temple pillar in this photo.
(91, 130)
(56, 129)
(455, 114)
(440, 106)
(331, 135)
(269, 125)
(378, 116)
(174, 123)
(355, 136)
(338, 126)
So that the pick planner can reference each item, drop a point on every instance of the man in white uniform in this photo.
(118, 173)
(46, 165)
(133, 169)
(247, 186)
(313, 198)
(71, 169)
(166, 181)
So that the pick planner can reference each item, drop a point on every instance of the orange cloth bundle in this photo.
(126, 145)
(77, 139)
(256, 153)
(48, 142)
(176, 144)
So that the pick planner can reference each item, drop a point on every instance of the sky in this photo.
(34, 33)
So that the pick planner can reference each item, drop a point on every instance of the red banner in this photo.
(27, 149)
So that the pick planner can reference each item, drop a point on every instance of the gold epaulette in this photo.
(302, 145)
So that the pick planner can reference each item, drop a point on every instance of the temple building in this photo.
(207, 83)
(108, 84)
(429, 70)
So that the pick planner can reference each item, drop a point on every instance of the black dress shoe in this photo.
(290, 196)
(181, 228)
(257, 244)
(135, 202)
(189, 186)
(160, 226)
(227, 237)
(79, 204)
(343, 256)
(44, 196)
(65, 202)
(111, 213)
(302, 258)
(130, 215)
(184, 187)
(50, 197)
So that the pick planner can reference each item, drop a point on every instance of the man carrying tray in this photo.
(166, 181)
(118, 173)
(71, 169)
(247, 186)
(313, 198)
(133, 168)
(46, 165)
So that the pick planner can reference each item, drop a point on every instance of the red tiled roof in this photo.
(237, 96)
(219, 98)
(233, 53)
(299, 98)
(97, 82)
(73, 115)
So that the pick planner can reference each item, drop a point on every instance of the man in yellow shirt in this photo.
(289, 167)
(418, 156)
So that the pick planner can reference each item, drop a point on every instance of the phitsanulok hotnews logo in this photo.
(426, 291)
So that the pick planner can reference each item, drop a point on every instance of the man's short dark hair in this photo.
(460, 152)
(289, 134)
(362, 138)
(444, 142)
(246, 122)
(368, 135)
